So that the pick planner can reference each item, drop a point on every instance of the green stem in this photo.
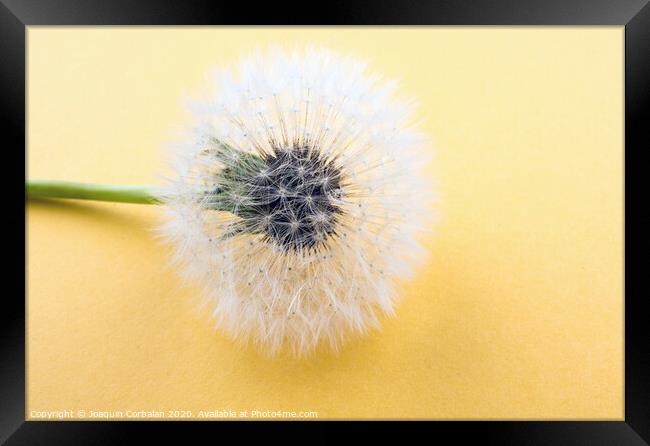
(84, 191)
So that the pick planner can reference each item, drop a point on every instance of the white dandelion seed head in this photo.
(299, 199)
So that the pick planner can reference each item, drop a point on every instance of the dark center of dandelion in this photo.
(290, 196)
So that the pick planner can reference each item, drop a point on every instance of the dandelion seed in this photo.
(293, 191)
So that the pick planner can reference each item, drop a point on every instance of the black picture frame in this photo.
(634, 15)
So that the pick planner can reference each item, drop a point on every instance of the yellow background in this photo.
(517, 315)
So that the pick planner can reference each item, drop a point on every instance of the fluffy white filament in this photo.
(279, 267)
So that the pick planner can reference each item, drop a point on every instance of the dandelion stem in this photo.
(87, 191)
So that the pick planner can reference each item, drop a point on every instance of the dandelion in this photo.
(298, 199)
